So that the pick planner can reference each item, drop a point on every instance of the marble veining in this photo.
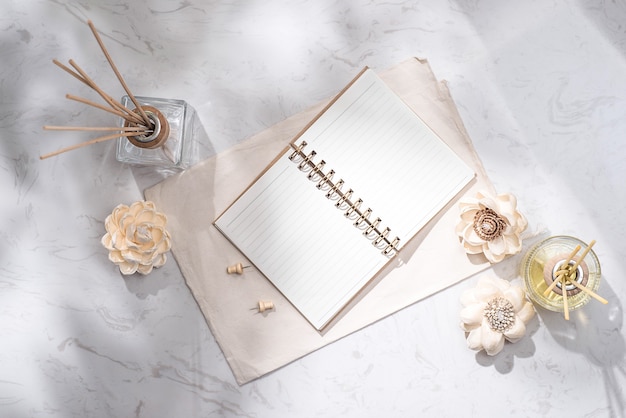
(539, 85)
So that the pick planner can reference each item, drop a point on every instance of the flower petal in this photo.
(493, 282)
(527, 312)
(128, 267)
(470, 236)
(106, 241)
(118, 240)
(474, 339)
(494, 258)
(468, 297)
(117, 214)
(145, 215)
(472, 315)
(492, 341)
(132, 255)
(516, 296)
(497, 245)
(135, 208)
(164, 245)
(486, 293)
(116, 257)
(160, 260)
(160, 219)
(522, 223)
(136, 237)
(468, 214)
(513, 243)
(505, 205)
(517, 330)
(125, 220)
(473, 249)
(144, 268)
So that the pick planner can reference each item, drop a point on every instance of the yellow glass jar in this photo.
(544, 259)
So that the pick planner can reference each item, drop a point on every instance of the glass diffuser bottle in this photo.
(543, 263)
(168, 145)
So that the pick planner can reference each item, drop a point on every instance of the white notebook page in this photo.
(297, 237)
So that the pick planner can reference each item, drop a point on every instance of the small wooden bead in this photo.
(265, 305)
(236, 268)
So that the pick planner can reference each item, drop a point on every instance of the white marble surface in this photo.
(539, 84)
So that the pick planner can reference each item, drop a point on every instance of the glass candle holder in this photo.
(541, 264)
(168, 146)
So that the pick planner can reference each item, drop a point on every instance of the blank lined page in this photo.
(298, 238)
(400, 168)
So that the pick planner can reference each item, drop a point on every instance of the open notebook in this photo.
(343, 198)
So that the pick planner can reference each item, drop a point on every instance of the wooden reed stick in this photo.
(106, 97)
(565, 301)
(135, 129)
(113, 103)
(566, 263)
(589, 292)
(91, 84)
(117, 73)
(99, 106)
(580, 259)
(84, 144)
(70, 71)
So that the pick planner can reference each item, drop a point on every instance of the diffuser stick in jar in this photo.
(565, 263)
(555, 269)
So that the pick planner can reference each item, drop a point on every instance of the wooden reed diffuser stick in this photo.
(137, 121)
(99, 106)
(136, 129)
(567, 274)
(564, 293)
(589, 292)
(105, 96)
(70, 71)
(90, 83)
(580, 259)
(119, 76)
(558, 278)
(84, 144)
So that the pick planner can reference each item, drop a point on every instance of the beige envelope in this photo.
(257, 343)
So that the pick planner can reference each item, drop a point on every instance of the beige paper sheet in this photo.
(255, 344)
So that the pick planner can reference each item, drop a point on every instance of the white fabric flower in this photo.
(136, 237)
(491, 225)
(493, 311)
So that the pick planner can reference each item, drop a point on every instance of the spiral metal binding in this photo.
(352, 209)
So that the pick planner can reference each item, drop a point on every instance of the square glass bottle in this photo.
(174, 151)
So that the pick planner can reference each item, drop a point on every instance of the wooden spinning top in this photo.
(159, 127)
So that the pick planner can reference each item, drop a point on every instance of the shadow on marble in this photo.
(151, 284)
(595, 331)
(504, 361)
(609, 19)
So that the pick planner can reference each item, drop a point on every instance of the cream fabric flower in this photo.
(136, 237)
(491, 225)
(493, 311)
